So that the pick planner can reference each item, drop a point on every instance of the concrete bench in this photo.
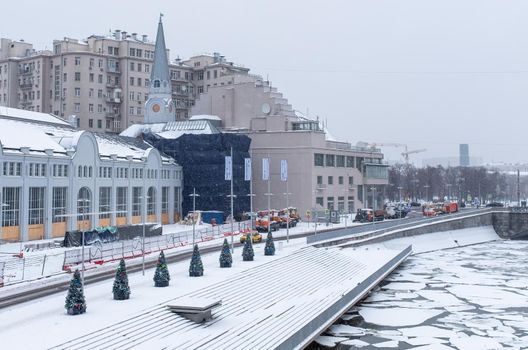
(195, 309)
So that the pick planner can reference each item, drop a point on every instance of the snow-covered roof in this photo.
(18, 132)
(21, 114)
(205, 117)
(172, 130)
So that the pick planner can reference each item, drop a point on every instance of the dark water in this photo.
(473, 297)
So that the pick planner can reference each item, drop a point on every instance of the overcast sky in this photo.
(428, 73)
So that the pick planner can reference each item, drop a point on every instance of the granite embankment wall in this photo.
(508, 224)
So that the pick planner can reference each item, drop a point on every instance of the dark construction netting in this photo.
(203, 162)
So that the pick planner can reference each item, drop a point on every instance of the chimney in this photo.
(144, 38)
(117, 34)
(134, 36)
(123, 35)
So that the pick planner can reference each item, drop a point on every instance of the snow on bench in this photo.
(195, 309)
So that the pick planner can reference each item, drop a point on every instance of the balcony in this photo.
(26, 85)
(113, 100)
(320, 187)
(113, 115)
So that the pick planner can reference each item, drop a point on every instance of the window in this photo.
(77, 76)
(318, 159)
(136, 201)
(151, 201)
(90, 123)
(350, 180)
(100, 108)
(156, 83)
(100, 63)
(147, 68)
(12, 168)
(208, 75)
(165, 200)
(340, 180)
(100, 78)
(131, 81)
(131, 110)
(91, 93)
(11, 210)
(341, 204)
(329, 160)
(99, 123)
(84, 199)
(330, 180)
(319, 180)
(350, 204)
(91, 77)
(319, 201)
(131, 95)
(92, 61)
(77, 92)
(121, 202)
(64, 77)
(77, 61)
(138, 81)
(359, 163)
(132, 64)
(340, 161)
(132, 52)
(139, 110)
(99, 93)
(58, 205)
(77, 107)
(139, 67)
(36, 205)
(360, 193)
(330, 203)
(104, 202)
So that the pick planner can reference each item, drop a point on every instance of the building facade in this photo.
(103, 80)
(323, 173)
(55, 178)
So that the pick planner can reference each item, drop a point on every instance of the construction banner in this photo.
(228, 168)
(284, 170)
(265, 169)
(247, 169)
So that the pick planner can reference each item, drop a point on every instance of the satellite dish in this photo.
(266, 108)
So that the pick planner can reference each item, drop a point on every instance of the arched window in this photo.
(85, 171)
(151, 201)
(156, 83)
(84, 203)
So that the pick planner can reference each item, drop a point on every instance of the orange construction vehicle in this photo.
(262, 221)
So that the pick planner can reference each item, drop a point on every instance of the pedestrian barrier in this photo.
(99, 253)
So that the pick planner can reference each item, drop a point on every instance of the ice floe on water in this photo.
(473, 297)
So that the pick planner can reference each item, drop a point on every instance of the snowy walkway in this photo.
(262, 307)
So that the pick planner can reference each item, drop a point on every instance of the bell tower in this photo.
(159, 108)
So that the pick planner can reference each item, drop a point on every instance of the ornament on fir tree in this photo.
(247, 252)
(269, 249)
(196, 267)
(75, 302)
(226, 260)
(161, 276)
(121, 289)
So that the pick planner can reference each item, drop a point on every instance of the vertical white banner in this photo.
(284, 170)
(247, 169)
(265, 169)
(228, 168)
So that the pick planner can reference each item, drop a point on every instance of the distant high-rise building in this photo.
(464, 154)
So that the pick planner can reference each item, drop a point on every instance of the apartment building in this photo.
(103, 80)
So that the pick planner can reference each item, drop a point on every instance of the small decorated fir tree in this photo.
(247, 253)
(121, 289)
(196, 267)
(226, 260)
(161, 276)
(75, 302)
(269, 249)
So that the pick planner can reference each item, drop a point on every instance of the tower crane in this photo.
(405, 154)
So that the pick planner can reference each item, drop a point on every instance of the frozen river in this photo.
(473, 297)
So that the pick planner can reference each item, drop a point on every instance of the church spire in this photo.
(160, 69)
(159, 107)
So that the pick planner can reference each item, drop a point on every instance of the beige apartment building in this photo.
(103, 81)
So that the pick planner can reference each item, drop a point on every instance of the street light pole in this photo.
(400, 204)
(373, 189)
(426, 192)
(194, 195)
(287, 194)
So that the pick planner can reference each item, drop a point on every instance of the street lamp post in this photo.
(287, 194)
(373, 189)
(448, 192)
(194, 195)
(83, 200)
(426, 192)
(400, 204)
